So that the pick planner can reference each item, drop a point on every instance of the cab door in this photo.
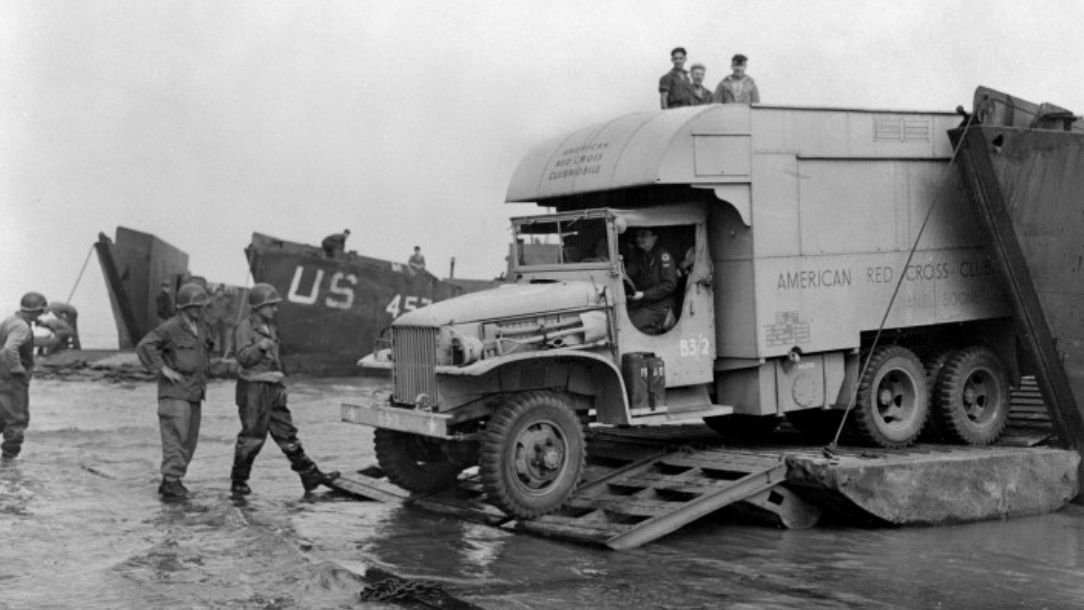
(688, 347)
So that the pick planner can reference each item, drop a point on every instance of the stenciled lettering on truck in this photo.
(339, 292)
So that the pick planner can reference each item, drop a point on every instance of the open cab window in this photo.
(565, 239)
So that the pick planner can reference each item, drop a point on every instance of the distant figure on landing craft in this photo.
(417, 261)
(738, 87)
(334, 245)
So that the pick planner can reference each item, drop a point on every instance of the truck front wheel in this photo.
(973, 396)
(415, 463)
(893, 401)
(533, 454)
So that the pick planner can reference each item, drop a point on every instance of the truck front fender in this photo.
(577, 371)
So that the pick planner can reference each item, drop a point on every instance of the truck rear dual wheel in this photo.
(532, 455)
(972, 393)
(414, 462)
(893, 403)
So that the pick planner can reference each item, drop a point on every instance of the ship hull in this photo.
(334, 310)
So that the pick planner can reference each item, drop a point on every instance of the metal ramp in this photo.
(654, 496)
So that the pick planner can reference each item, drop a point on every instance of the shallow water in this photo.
(81, 526)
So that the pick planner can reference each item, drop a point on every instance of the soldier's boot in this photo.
(171, 489)
(311, 476)
(242, 466)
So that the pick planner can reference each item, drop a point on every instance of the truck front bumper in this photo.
(396, 418)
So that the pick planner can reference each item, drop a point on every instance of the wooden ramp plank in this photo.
(656, 527)
(370, 488)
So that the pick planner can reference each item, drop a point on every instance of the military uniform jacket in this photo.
(654, 273)
(258, 364)
(16, 347)
(174, 344)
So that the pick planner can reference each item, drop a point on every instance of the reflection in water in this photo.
(81, 526)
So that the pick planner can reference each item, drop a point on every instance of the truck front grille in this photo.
(414, 351)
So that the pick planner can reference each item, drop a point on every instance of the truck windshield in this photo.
(561, 241)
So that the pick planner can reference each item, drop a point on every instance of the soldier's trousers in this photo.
(179, 422)
(651, 318)
(14, 413)
(262, 408)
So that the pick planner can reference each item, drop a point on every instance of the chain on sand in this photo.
(392, 589)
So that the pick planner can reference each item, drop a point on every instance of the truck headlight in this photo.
(466, 349)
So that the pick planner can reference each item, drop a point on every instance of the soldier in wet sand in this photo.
(261, 396)
(16, 369)
(179, 351)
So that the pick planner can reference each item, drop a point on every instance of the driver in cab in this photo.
(654, 274)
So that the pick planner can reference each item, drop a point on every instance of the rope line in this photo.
(80, 277)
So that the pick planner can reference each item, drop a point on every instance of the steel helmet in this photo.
(263, 294)
(191, 295)
(33, 302)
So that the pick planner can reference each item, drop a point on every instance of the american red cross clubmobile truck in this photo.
(797, 225)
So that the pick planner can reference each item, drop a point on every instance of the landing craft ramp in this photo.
(1023, 167)
(643, 483)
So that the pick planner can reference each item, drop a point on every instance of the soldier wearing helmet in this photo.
(16, 369)
(261, 396)
(178, 350)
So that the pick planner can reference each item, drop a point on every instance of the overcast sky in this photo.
(202, 122)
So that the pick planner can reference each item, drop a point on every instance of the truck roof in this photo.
(713, 145)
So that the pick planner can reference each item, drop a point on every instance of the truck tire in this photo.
(533, 454)
(893, 401)
(973, 396)
(414, 462)
(935, 364)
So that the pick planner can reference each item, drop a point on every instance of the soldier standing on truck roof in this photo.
(675, 88)
(261, 396)
(653, 272)
(701, 94)
(738, 87)
(16, 369)
(179, 351)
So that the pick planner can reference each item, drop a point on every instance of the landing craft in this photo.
(333, 309)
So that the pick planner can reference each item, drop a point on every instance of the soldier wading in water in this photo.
(261, 396)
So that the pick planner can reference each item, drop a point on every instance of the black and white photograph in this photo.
(611, 304)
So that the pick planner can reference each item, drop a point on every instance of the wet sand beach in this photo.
(81, 526)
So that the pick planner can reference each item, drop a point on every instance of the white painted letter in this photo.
(310, 298)
(338, 290)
